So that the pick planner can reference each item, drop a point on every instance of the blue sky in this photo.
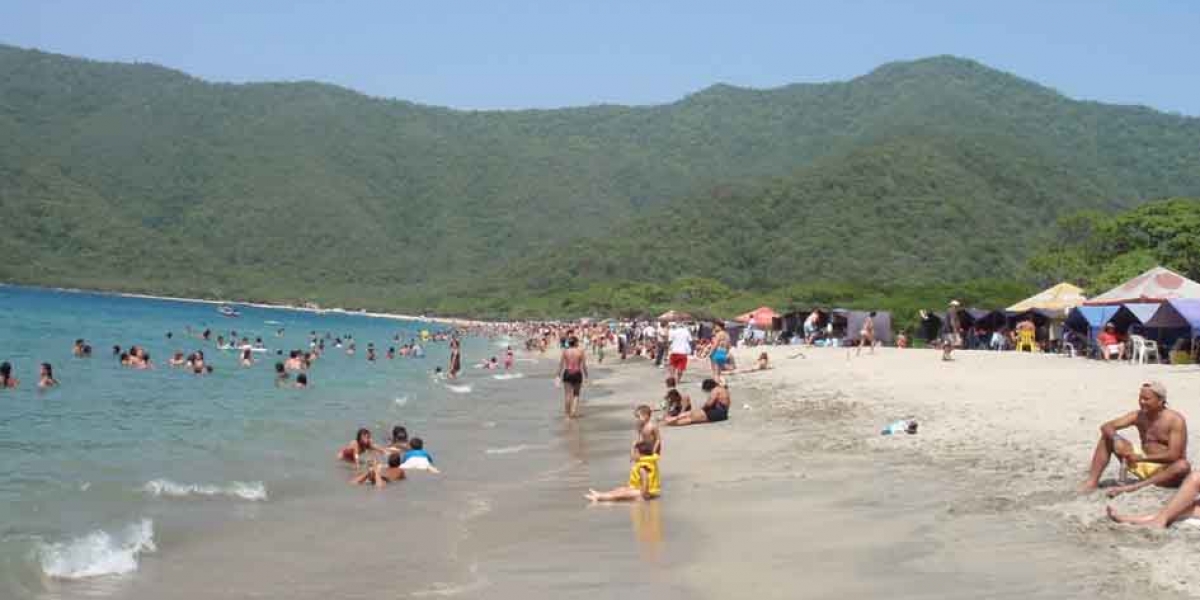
(515, 53)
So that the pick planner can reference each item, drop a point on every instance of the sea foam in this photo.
(164, 488)
(98, 553)
(507, 376)
(459, 389)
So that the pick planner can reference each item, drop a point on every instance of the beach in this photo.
(156, 480)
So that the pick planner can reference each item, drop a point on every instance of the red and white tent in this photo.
(762, 317)
(1156, 285)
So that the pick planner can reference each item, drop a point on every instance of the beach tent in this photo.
(1039, 317)
(1059, 299)
(987, 319)
(1089, 320)
(762, 317)
(1156, 285)
(672, 316)
(1177, 314)
(882, 320)
(1134, 313)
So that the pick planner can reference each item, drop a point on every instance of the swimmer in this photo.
(379, 475)
(508, 359)
(281, 375)
(417, 458)
(46, 379)
(643, 482)
(293, 362)
(77, 349)
(7, 381)
(177, 360)
(352, 452)
(301, 381)
(247, 359)
(399, 443)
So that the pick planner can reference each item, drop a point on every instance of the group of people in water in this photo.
(381, 465)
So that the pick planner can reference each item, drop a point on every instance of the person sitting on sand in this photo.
(677, 403)
(763, 363)
(352, 452)
(379, 475)
(644, 483)
(647, 431)
(713, 411)
(417, 458)
(46, 378)
(1162, 458)
(1183, 505)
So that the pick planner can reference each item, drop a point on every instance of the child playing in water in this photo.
(647, 431)
(379, 475)
(643, 479)
(353, 451)
(417, 458)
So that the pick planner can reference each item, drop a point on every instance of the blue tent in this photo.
(1134, 313)
(1088, 320)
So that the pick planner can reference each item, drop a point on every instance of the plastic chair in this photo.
(1025, 342)
(1150, 347)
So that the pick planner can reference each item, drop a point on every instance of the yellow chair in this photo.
(1025, 342)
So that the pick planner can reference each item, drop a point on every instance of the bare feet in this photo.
(1142, 520)
(1113, 492)
(592, 495)
(1089, 486)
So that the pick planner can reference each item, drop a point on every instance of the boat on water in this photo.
(228, 311)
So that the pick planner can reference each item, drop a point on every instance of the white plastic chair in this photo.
(1139, 349)
(1150, 347)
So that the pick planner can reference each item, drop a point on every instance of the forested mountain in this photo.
(136, 177)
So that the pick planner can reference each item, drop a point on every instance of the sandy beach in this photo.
(798, 496)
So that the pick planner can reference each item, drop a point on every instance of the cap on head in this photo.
(954, 303)
(1158, 388)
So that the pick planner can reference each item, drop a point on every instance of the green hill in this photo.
(139, 178)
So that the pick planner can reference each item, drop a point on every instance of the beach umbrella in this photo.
(673, 316)
(1059, 299)
(762, 317)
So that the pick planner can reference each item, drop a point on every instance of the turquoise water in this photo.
(89, 467)
(149, 484)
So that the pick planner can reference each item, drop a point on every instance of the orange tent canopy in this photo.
(762, 317)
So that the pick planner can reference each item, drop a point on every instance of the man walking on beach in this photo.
(951, 331)
(681, 347)
(572, 371)
(1162, 458)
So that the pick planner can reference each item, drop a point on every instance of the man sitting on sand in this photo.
(1161, 459)
(713, 411)
(643, 482)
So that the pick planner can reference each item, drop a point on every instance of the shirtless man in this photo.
(867, 335)
(294, 363)
(716, 409)
(1160, 461)
(572, 372)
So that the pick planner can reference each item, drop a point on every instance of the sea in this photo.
(159, 483)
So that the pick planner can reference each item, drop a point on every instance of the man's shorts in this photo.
(1142, 470)
(679, 362)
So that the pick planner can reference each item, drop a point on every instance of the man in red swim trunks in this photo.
(681, 347)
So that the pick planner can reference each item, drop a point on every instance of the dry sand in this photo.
(798, 496)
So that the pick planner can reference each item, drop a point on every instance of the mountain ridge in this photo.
(297, 191)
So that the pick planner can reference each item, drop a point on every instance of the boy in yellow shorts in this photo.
(643, 479)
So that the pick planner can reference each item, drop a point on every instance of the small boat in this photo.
(228, 311)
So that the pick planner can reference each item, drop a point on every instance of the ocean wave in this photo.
(98, 553)
(401, 401)
(515, 449)
(459, 389)
(253, 491)
(507, 376)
